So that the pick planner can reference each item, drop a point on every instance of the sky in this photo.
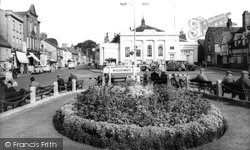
(75, 21)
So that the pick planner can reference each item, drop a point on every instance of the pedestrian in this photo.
(229, 77)
(201, 76)
(244, 80)
(154, 74)
(61, 84)
(9, 88)
(34, 83)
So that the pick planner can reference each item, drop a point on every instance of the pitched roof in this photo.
(226, 37)
(143, 27)
(4, 43)
(217, 32)
(51, 44)
(72, 50)
(201, 41)
(32, 10)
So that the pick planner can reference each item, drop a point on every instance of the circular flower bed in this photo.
(133, 116)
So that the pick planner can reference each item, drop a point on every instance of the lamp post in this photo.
(124, 4)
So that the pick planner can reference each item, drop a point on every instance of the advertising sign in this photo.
(120, 70)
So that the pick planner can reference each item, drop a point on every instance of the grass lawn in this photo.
(237, 137)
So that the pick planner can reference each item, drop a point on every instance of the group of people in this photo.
(244, 79)
(8, 87)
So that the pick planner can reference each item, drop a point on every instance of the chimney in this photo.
(64, 45)
(245, 19)
(229, 23)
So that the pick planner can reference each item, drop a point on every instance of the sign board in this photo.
(120, 70)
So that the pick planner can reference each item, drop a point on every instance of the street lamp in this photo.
(124, 4)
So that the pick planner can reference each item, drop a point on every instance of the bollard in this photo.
(138, 78)
(33, 94)
(218, 88)
(169, 79)
(109, 76)
(55, 88)
(187, 83)
(74, 85)
(103, 80)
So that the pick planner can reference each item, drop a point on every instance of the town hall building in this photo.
(152, 45)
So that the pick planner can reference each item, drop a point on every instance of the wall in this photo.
(7, 31)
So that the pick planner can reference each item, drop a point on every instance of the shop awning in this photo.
(22, 58)
(34, 56)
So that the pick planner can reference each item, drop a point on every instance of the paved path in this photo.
(37, 123)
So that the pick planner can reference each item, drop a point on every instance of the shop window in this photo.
(160, 51)
(149, 50)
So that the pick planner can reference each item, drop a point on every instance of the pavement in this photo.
(36, 122)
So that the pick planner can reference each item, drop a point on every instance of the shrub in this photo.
(140, 117)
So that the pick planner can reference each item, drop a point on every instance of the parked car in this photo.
(46, 68)
(71, 65)
(38, 69)
(179, 65)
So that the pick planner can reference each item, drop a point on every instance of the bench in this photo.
(203, 85)
(159, 80)
(235, 89)
(13, 99)
(79, 84)
(44, 90)
(178, 84)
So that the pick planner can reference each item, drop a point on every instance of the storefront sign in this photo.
(120, 70)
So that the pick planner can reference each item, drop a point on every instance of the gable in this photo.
(32, 10)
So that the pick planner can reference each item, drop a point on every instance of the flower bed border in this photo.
(107, 135)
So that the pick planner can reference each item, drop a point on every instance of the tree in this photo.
(87, 47)
(53, 41)
(43, 36)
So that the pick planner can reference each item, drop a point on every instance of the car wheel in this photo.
(179, 69)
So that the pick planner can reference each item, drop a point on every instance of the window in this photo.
(171, 56)
(235, 43)
(20, 40)
(13, 40)
(160, 50)
(171, 47)
(13, 25)
(209, 48)
(27, 42)
(149, 50)
(17, 40)
(30, 27)
(35, 28)
(238, 41)
(127, 51)
(243, 41)
(20, 28)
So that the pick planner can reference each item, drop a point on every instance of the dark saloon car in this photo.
(179, 65)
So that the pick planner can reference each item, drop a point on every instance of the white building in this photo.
(152, 44)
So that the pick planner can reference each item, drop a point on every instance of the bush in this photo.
(140, 117)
